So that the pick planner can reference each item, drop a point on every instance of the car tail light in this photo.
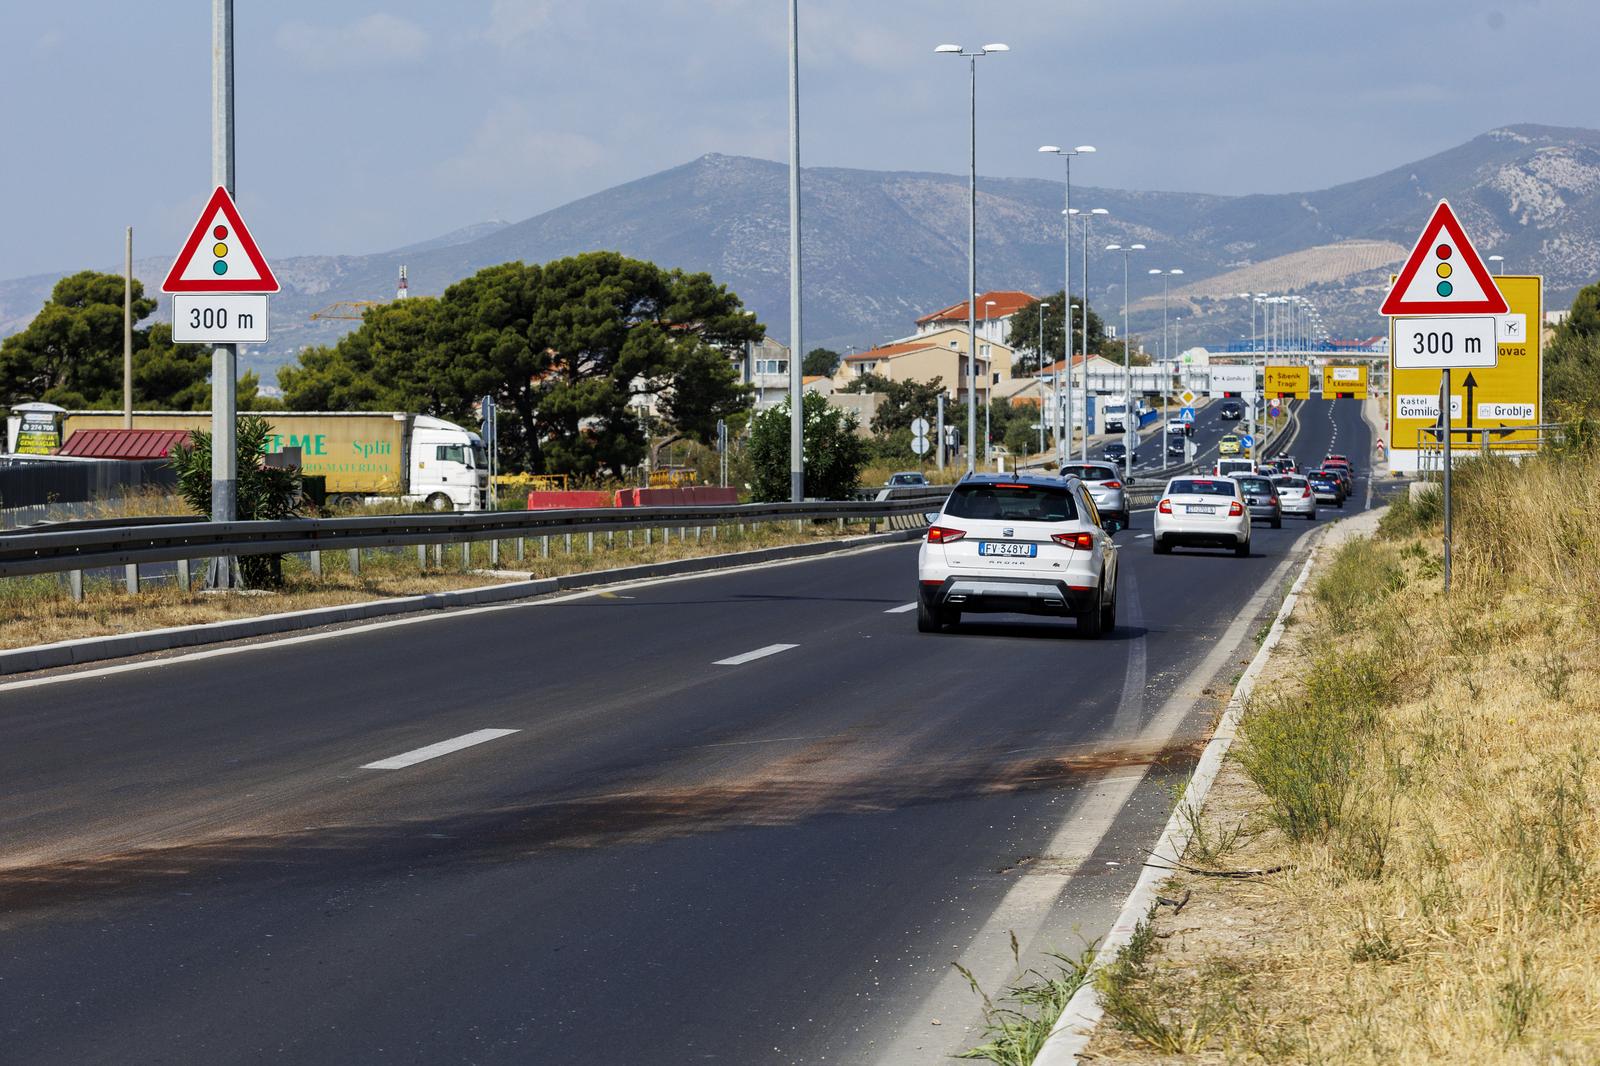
(1165, 507)
(1082, 541)
(1112, 485)
(944, 534)
(1305, 493)
(1235, 509)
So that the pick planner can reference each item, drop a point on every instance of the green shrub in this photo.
(263, 494)
(833, 454)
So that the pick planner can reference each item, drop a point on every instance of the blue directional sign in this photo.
(1247, 441)
(1187, 414)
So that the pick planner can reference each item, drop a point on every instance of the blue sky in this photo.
(366, 125)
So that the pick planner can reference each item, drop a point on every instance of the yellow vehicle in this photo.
(1229, 445)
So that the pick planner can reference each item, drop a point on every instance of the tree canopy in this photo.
(903, 401)
(71, 354)
(1572, 363)
(572, 350)
(1024, 336)
(821, 362)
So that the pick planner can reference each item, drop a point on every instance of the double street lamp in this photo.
(1064, 444)
(1129, 438)
(972, 239)
(1166, 369)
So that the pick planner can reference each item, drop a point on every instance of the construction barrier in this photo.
(552, 501)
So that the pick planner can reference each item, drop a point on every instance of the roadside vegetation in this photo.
(1401, 861)
(40, 609)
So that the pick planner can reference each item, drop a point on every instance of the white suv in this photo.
(1204, 511)
(1018, 544)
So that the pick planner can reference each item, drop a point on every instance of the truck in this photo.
(1113, 416)
(366, 456)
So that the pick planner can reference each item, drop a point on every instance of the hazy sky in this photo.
(365, 125)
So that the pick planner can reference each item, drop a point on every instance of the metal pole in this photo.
(972, 270)
(224, 572)
(1128, 415)
(1064, 444)
(1039, 372)
(988, 390)
(1444, 415)
(1165, 292)
(1083, 342)
(127, 333)
(940, 441)
(797, 464)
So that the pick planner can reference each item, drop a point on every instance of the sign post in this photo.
(1457, 297)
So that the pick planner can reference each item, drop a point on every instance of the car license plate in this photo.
(1200, 509)
(993, 547)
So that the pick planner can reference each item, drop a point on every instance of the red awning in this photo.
(123, 443)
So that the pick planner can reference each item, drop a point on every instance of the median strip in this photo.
(433, 751)
(751, 656)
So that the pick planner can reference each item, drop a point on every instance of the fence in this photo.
(1481, 442)
(31, 491)
(93, 545)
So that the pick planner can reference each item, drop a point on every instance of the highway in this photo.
(750, 817)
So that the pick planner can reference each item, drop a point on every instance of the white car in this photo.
(1177, 425)
(1202, 511)
(1295, 495)
(1018, 544)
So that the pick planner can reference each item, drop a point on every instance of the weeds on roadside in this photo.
(1015, 1034)
(1159, 1012)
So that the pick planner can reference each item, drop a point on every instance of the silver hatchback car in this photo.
(1106, 488)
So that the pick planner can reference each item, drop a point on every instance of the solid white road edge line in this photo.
(903, 608)
(435, 616)
(433, 751)
(751, 656)
(1075, 1027)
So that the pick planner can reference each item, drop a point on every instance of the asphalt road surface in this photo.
(745, 818)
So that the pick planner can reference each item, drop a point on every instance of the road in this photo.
(665, 859)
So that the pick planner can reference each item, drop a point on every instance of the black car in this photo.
(1175, 446)
(1116, 450)
(1232, 410)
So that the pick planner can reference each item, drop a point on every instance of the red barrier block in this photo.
(554, 501)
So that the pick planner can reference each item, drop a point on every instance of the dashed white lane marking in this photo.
(1143, 536)
(433, 751)
(903, 608)
(749, 656)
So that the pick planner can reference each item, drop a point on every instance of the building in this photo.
(993, 322)
(936, 354)
(766, 370)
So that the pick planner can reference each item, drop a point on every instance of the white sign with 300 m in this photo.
(219, 318)
(1445, 343)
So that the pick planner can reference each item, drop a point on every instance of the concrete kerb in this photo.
(1075, 1027)
(122, 645)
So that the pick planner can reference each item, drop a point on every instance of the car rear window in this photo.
(1089, 472)
(1200, 487)
(1292, 482)
(1012, 503)
(1255, 484)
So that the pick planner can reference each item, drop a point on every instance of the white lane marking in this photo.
(433, 751)
(750, 656)
(429, 615)
(1143, 536)
(903, 608)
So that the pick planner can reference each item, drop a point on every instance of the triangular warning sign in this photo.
(220, 255)
(1444, 274)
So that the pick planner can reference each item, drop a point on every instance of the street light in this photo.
(1084, 342)
(1166, 371)
(972, 238)
(1127, 365)
(988, 385)
(1497, 260)
(797, 454)
(1066, 290)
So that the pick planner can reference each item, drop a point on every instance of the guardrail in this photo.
(1482, 442)
(72, 551)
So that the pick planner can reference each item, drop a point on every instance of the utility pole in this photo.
(224, 572)
(127, 332)
(797, 421)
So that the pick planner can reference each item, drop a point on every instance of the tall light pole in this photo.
(1084, 336)
(1038, 372)
(972, 238)
(797, 416)
(988, 383)
(1166, 371)
(1128, 437)
(1499, 262)
(1066, 289)
(223, 573)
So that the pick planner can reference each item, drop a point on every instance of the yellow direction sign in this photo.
(1288, 382)
(1342, 382)
(1504, 397)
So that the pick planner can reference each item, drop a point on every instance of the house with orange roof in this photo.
(993, 320)
(937, 354)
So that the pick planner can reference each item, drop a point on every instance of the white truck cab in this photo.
(449, 466)
(1114, 417)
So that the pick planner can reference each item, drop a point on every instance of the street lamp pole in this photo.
(1166, 370)
(1084, 335)
(1129, 438)
(1066, 294)
(988, 385)
(972, 238)
(797, 464)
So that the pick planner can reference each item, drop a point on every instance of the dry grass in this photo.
(40, 610)
(1425, 770)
